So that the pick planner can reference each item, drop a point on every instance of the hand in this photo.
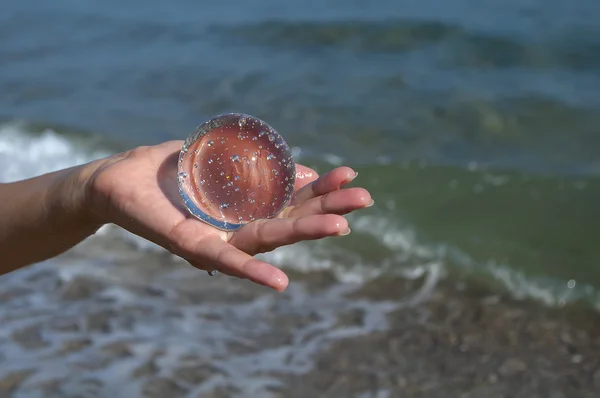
(137, 190)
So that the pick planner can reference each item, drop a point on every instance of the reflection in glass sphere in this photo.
(235, 169)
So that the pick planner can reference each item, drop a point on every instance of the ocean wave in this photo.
(361, 36)
(455, 45)
(25, 153)
(386, 241)
(401, 255)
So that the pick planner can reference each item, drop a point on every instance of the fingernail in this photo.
(346, 232)
(371, 203)
(280, 283)
(351, 176)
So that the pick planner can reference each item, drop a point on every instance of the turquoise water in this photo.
(474, 124)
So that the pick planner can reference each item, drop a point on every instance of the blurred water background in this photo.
(474, 124)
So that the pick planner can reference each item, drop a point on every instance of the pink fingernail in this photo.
(346, 232)
(371, 203)
(351, 176)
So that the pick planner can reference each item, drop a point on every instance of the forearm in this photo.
(43, 216)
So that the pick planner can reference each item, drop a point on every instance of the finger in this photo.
(265, 235)
(337, 202)
(328, 182)
(227, 259)
(304, 175)
(190, 240)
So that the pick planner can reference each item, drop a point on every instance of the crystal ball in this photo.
(235, 169)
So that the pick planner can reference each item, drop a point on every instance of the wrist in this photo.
(73, 199)
(67, 201)
(90, 200)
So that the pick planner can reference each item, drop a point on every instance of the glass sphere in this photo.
(235, 169)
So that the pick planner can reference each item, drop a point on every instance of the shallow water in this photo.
(139, 324)
(474, 124)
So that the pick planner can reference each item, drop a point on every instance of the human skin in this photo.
(137, 190)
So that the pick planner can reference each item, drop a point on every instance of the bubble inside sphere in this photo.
(235, 169)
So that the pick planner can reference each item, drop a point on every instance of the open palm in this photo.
(137, 190)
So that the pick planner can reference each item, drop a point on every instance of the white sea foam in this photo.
(25, 155)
